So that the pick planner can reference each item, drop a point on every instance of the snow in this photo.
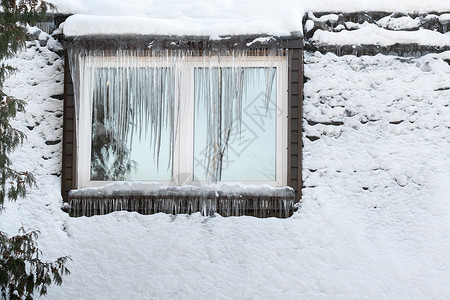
(444, 18)
(332, 18)
(216, 18)
(155, 188)
(371, 34)
(401, 23)
(261, 40)
(374, 221)
(309, 25)
(218, 8)
(78, 25)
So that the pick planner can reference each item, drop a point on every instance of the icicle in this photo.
(144, 105)
(208, 205)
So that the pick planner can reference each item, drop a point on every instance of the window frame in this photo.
(183, 160)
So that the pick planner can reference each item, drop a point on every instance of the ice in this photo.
(226, 207)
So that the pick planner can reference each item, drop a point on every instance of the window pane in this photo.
(250, 155)
(124, 140)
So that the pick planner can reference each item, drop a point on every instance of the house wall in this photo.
(375, 119)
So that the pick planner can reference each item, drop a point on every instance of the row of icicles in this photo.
(259, 207)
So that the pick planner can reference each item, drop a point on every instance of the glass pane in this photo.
(251, 152)
(124, 143)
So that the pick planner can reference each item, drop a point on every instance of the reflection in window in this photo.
(233, 149)
(132, 124)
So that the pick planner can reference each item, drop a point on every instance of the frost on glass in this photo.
(132, 117)
(235, 124)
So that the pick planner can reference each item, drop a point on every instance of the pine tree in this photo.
(21, 270)
(14, 16)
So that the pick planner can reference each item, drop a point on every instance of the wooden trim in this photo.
(69, 151)
(65, 127)
(300, 127)
(290, 117)
(295, 89)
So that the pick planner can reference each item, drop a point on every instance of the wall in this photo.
(375, 127)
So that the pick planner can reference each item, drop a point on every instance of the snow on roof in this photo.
(82, 25)
(176, 17)
(215, 17)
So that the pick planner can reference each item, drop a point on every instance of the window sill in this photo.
(225, 199)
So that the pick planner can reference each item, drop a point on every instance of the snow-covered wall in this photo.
(371, 123)
(369, 33)
(376, 126)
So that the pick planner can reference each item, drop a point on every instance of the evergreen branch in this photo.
(13, 21)
(5, 71)
(21, 270)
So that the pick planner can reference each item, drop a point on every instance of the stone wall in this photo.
(388, 39)
(375, 127)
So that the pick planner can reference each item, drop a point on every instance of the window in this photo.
(182, 120)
